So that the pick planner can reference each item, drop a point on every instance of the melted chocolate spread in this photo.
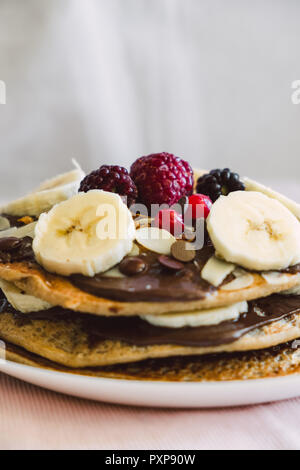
(157, 283)
(15, 220)
(135, 331)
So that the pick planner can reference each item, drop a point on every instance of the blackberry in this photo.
(114, 179)
(219, 182)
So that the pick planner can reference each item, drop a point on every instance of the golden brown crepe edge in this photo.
(59, 291)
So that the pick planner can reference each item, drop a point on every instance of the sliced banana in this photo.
(292, 291)
(252, 185)
(88, 234)
(4, 223)
(254, 231)
(114, 272)
(48, 194)
(242, 281)
(212, 316)
(20, 301)
(19, 232)
(216, 270)
(275, 277)
(135, 250)
(155, 239)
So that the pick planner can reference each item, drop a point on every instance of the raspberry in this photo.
(114, 179)
(169, 220)
(162, 178)
(196, 201)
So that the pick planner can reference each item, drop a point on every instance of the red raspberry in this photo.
(162, 178)
(114, 179)
(169, 220)
(200, 201)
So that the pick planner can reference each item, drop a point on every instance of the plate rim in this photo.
(186, 383)
(158, 394)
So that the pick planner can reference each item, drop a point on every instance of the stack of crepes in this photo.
(143, 305)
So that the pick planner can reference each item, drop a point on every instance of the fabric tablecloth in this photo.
(33, 418)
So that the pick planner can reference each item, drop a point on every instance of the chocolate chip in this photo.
(132, 265)
(183, 202)
(170, 263)
(182, 251)
(10, 243)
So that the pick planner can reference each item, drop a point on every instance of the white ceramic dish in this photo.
(159, 394)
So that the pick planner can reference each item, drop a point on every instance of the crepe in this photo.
(65, 339)
(57, 290)
(279, 361)
(63, 343)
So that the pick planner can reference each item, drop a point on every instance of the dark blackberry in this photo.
(114, 179)
(219, 182)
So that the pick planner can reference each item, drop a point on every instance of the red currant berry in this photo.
(169, 220)
(199, 206)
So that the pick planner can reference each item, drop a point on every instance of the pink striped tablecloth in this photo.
(33, 418)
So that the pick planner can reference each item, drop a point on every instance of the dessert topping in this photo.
(162, 178)
(183, 251)
(169, 220)
(219, 182)
(20, 301)
(254, 231)
(132, 265)
(199, 205)
(48, 194)
(216, 270)
(4, 223)
(9, 243)
(170, 263)
(155, 239)
(88, 234)
(114, 179)
(242, 280)
(213, 316)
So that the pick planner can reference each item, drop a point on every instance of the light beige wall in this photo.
(110, 80)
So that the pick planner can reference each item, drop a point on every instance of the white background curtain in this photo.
(106, 81)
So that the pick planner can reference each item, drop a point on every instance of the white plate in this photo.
(159, 394)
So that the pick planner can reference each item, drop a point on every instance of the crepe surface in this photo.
(65, 340)
(278, 361)
(58, 290)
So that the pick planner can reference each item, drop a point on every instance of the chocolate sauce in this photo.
(13, 249)
(292, 269)
(158, 283)
(16, 220)
(135, 331)
(138, 332)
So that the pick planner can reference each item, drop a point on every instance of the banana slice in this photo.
(22, 302)
(48, 194)
(252, 185)
(216, 270)
(254, 231)
(19, 232)
(242, 280)
(212, 316)
(292, 291)
(88, 234)
(114, 272)
(275, 277)
(4, 223)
